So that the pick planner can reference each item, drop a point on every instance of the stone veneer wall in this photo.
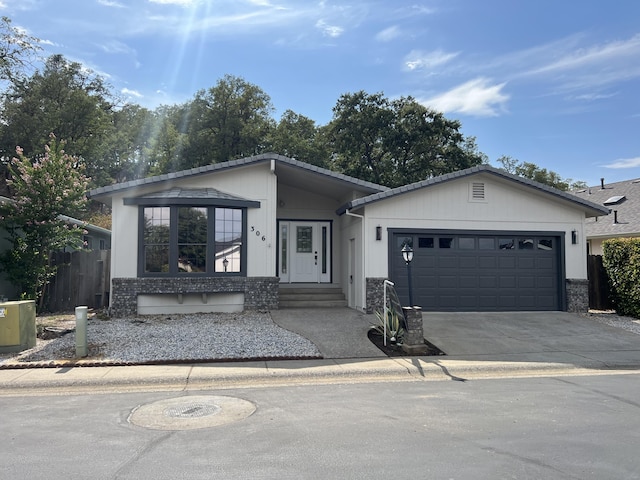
(260, 293)
(375, 294)
(577, 295)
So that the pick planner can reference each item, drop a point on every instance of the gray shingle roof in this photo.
(593, 208)
(190, 196)
(266, 157)
(628, 209)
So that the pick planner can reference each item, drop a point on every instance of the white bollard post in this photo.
(81, 331)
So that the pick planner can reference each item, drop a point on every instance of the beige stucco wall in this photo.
(256, 183)
(449, 206)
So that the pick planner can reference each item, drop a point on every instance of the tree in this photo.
(395, 142)
(540, 175)
(65, 99)
(230, 120)
(298, 137)
(44, 189)
(17, 50)
(127, 147)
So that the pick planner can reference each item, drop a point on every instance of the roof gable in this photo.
(591, 208)
(107, 191)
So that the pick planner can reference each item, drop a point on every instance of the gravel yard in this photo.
(187, 338)
(174, 338)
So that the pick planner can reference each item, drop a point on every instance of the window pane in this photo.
(445, 242)
(304, 239)
(425, 242)
(228, 239)
(192, 258)
(506, 244)
(192, 225)
(545, 244)
(466, 243)
(156, 239)
(324, 250)
(156, 258)
(156, 225)
(486, 243)
(192, 240)
(525, 244)
(284, 249)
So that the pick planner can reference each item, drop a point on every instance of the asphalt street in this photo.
(569, 427)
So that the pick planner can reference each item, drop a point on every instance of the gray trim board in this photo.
(257, 159)
(593, 208)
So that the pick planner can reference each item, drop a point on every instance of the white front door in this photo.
(305, 252)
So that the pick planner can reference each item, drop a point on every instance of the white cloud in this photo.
(116, 47)
(388, 34)
(476, 97)
(110, 3)
(131, 93)
(624, 163)
(420, 60)
(332, 31)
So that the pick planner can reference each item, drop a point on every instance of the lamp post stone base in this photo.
(413, 341)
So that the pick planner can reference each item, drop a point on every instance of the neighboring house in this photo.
(96, 238)
(623, 199)
(225, 237)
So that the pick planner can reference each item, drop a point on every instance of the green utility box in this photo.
(17, 326)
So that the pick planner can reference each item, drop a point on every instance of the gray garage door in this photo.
(461, 272)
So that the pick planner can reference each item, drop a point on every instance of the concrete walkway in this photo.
(477, 345)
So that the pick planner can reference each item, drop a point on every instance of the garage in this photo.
(479, 271)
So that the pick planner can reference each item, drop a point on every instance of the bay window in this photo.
(184, 240)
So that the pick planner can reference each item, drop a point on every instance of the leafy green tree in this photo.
(66, 99)
(298, 137)
(540, 175)
(167, 141)
(43, 189)
(395, 142)
(230, 120)
(127, 148)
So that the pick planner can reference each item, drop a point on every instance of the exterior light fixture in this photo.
(574, 237)
(225, 264)
(378, 233)
(407, 255)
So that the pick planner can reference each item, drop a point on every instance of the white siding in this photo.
(256, 183)
(449, 206)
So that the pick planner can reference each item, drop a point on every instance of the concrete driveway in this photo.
(546, 337)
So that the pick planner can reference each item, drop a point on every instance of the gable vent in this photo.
(477, 191)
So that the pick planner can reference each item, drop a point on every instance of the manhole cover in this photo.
(191, 412)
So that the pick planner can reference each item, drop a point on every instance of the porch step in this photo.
(306, 297)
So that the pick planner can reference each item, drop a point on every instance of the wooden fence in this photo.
(599, 292)
(82, 279)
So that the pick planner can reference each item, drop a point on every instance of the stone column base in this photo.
(413, 341)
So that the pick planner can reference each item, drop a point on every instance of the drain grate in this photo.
(193, 410)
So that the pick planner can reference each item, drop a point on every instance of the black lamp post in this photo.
(407, 255)
(225, 263)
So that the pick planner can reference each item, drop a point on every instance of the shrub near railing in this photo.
(621, 259)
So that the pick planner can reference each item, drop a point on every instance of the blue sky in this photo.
(552, 82)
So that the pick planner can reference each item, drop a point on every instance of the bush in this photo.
(621, 259)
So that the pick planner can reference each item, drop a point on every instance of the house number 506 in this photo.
(257, 232)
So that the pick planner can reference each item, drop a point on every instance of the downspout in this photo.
(363, 287)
